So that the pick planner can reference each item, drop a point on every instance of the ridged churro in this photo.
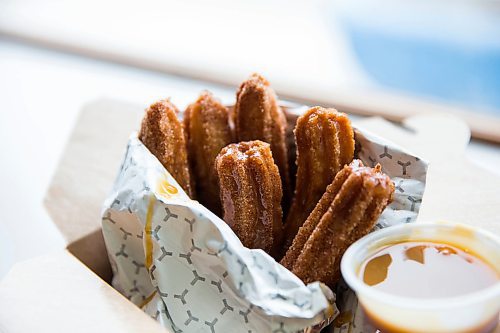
(257, 116)
(207, 132)
(250, 191)
(163, 134)
(347, 211)
(325, 143)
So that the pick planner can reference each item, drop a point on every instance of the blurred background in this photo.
(381, 57)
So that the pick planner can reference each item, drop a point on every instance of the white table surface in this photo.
(41, 93)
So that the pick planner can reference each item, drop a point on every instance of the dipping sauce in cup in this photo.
(426, 277)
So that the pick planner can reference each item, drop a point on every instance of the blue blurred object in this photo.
(444, 49)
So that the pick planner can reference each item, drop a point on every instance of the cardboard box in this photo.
(70, 291)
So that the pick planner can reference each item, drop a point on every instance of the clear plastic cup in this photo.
(473, 312)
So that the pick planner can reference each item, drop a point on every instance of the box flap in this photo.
(58, 294)
(92, 251)
(457, 190)
(89, 165)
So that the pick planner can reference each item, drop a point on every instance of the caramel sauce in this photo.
(166, 189)
(427, 270)
(343, 318)
(376, 269)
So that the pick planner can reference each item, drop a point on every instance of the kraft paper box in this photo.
(186, 268)
(70, 290)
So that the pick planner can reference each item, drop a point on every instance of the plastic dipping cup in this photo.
(473, 312)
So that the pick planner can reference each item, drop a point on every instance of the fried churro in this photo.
(207, 131)
(257, 116)
(347, 211)
(163, 134)
(325, 143)
(250, 191)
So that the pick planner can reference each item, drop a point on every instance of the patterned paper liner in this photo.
(186, 268)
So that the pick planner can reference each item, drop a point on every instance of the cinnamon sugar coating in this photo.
(250, 190)
(163, 134)
(257, 116)
(207, 132)
(347, 211)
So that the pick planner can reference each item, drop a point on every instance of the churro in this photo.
(163, 134)
(257, 116)
(207, 132)
(250, 191)
(347, 211)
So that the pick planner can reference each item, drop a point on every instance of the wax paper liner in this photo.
(186, 268)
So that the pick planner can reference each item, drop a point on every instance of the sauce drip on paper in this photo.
(166, 189)
(427, 270)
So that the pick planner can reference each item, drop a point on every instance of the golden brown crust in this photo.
(250, 190)
(347, 211)
(207, 129)
(163, 134)
(325, 143)
(257, 116)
